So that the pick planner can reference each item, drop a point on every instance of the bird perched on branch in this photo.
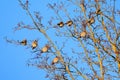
(69, 23)
(34, 44)
(98, 12)
(60, 24)
(45, 49)
(83, 34)
(23, 42)
(91, 20)
(55, 60)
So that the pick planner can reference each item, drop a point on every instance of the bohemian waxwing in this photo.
(69, 23)
(91, 20)
(98, 12)
(23, 42)
(55, 60)
(61, 24)
(34, 44)
(83, 34)
(45, 49)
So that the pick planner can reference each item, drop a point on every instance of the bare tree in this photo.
(85, 44)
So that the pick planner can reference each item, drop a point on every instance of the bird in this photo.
(91, 20)
(98, 12)
(69, 23)
(83, 34)
(60, 24)
(34, 44)
(45, 49)
(55, 60)
(23, 42)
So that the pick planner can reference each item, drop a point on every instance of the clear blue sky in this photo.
(13, 58)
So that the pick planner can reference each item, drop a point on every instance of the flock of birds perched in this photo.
(47, 47)
(60, 24)
(43, 50)
(70, 23)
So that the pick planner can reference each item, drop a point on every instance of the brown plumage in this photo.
(23, 42)
(45, 49)
(34, 44)
(83, 34)
(60, 24)
(91, 20)
(98, 12)
(69, 23)
(55, 60)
